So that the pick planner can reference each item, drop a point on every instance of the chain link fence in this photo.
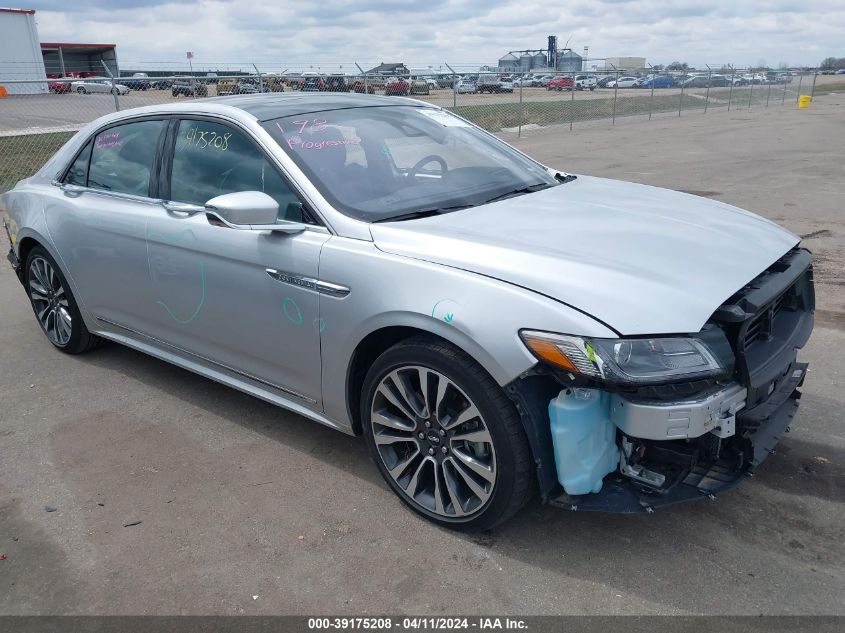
(37, 116)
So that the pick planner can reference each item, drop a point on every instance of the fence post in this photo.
(113, 87)
(768, 92)
(260, 80)
(813, 88)
(615, 92)
(572, 103)
(751, 92)
(521, 107)
(454, 87)
(681, 100)
(364, 75)
(731, 91)
(800, 81)
(709, 80)
(783, 96)
(651, 98)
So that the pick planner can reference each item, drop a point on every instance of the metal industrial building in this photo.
(542, 59)
(624, 63)
(20, 54)
(23, 58)
(62, 58)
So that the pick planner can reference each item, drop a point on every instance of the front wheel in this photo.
(115, 91)
(445, 436)
(80, 90)
(54, 305)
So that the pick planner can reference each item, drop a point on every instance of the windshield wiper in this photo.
(518, 192)
(422, 213)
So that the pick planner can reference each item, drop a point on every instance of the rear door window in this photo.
(123, 156)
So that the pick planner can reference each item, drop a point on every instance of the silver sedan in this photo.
(492, 326)
(98, 85)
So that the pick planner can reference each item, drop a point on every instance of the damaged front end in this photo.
(647, 422)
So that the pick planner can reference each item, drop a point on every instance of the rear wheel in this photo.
(444, 435)
(54, 305)
(81, 90)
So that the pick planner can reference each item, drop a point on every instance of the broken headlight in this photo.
(634, 361)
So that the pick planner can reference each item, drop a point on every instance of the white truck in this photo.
(586, 82)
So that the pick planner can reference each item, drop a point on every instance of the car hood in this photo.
(641, 259)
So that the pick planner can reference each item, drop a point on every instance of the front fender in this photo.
(480, 315)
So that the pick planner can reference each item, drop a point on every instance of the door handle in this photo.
(181, 209)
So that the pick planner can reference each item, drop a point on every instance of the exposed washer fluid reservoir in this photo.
(584, 439)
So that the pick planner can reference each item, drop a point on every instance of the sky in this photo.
(329, 33)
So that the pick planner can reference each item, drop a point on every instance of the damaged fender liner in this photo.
(621, 495)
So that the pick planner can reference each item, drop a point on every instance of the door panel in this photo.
(211, 295)
(99, 228)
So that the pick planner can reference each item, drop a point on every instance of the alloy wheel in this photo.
(433, 442)
(50, 301)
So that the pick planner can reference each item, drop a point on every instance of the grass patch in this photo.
(495, 116)
(22, 156)
(826, 89)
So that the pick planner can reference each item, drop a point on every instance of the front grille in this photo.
(761, 326)
(767, 320)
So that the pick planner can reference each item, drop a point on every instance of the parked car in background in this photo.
(543, 81)
(312, 84)
(561, 82)
(494, 328)
(466, 86)
(98, 84)
(138, 81)
(188, 87)
(604, 81)
(211, 78)
(360, 86)
(488, 82)
(658, 81)
(336, 83)
(161, 84)
(447, 81)
(586, 82)
(506, 85)
(418, 87)
(624, 82)
(397, 87)
(59, 87)
(841, 71)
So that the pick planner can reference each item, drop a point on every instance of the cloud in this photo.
(236, 33)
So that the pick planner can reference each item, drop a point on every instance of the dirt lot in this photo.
(233, 506)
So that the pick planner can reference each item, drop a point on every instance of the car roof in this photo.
(267, 106)
(275, 105)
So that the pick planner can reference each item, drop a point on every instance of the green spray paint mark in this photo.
(320, 323)
(449, 317)
(591, 353)
(196, 312)
(286, 305)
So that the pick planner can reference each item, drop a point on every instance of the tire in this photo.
(115, 91)
(50, 295)
(81, 90)
(499, 478)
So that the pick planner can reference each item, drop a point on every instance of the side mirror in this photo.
(250, 210)
(245, 207)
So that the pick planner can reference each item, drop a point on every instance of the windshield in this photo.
(377, 163)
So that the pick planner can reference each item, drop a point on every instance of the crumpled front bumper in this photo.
(758, 432)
